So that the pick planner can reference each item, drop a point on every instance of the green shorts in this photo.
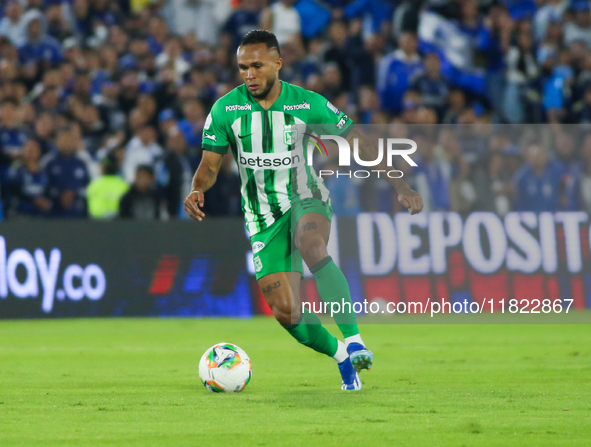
(274, 250)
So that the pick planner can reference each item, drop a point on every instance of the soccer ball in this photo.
(225, 368)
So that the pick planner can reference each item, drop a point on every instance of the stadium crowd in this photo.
(102, 102)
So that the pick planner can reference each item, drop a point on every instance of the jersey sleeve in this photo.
(330, 119)
(215, 133)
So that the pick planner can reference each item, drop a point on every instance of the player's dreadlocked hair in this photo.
(261, 36)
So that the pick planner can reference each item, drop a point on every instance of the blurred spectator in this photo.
(580, 29)
(556, 88)
(580, 111)
(582, 62)
(146, 104)
(345, 192)
(104, 193)
(378, 196)
(472, 139)
(570, 168)
(38, 47)
(67, 177)
(49, 100)
(142, 200)
(433, 175)
(283, 20)
(223, 199)
(12, 138)
(58, 24)
(95, 16)
(192, 125)
(203, 17)
(456, 105)
(129, 91)
(462, 194)
(434, 90)
(368, 104)
(493, 42)
(44, 129)
(552, 10)
(314, 16)
(28, 183)
(108, 105)
(244, 19)
(537, 183)
(82, 152)
(395, 72)
(172, 56)
(522, 70)
(158, 33)
(338, 55)
(492, 185)
(12, 24)
(585, 184)
(141, 150)
(375, 15)
(167, 121)
(178, 172)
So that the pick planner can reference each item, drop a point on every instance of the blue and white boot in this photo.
(361, 358)
(351, 380)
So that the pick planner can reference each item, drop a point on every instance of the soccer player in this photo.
(256, 120)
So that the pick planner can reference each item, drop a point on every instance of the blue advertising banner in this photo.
(68, 268)
(85, 268)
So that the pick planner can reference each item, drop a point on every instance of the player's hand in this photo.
(411, 199)
(193, 204)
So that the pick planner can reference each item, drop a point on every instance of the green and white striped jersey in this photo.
(270, 147)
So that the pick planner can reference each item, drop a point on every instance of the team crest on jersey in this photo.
(290, 133)
(257, 246)
(258, 265)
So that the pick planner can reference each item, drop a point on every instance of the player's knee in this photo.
(285, 315)
(312, 249)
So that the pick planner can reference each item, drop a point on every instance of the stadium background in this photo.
(103, 103)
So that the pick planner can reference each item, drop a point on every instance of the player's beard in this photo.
(265, 93)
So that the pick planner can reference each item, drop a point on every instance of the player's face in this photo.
(259, 68)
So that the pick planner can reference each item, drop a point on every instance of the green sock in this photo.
(333, 287)
(311, 333)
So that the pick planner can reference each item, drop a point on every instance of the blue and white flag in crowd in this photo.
(455, 47)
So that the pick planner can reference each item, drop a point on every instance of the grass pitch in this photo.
(134, 382)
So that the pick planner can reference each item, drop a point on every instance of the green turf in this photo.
(133, 382)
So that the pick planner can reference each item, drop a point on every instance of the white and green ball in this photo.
(225, 368)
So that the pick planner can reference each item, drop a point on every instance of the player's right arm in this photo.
(204, 179)
(215, 145)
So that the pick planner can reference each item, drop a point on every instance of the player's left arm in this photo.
(408, 197)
